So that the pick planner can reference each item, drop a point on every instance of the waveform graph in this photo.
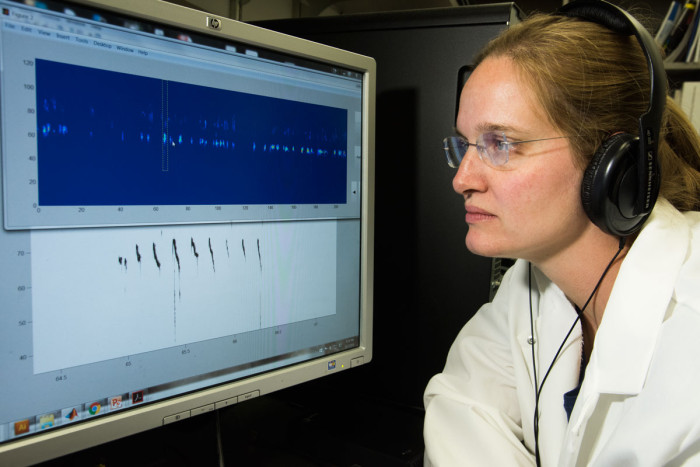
(216, 293)
(108, 138)
(294, 290)
(130, 290)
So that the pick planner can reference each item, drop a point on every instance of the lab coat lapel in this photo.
(625, 341)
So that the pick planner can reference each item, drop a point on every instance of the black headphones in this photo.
(621, 183)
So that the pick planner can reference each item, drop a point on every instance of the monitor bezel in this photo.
(71, 438)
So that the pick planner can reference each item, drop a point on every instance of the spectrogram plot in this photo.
(115, 139)
(173, 286)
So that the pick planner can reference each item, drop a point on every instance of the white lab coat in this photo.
(639, 404)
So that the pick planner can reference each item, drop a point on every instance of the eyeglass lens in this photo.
(455, 149)
(492, 149)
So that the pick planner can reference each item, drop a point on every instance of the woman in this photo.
(588, 353)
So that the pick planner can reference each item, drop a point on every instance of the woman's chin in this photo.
(482, 248)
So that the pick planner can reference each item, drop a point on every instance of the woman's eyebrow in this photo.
(489, 127)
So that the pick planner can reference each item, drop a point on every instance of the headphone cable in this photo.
(579, 313)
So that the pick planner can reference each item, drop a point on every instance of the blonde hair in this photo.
(591, 83)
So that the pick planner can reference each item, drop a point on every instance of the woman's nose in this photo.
(469, 174)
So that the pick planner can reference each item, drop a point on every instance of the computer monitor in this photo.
(187, 217)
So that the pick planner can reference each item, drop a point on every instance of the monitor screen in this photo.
(186, 217)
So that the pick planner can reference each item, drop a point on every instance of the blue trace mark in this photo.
(117, 139)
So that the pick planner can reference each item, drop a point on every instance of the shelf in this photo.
(681, 67)
(678, 72)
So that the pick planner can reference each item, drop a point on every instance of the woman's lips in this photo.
(475, 215)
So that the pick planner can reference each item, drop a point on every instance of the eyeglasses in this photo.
(493, 148)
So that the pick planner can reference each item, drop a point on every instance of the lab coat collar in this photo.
(637, 304)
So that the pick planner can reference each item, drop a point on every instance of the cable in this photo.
(532, 343)
(579, 313)
(219, 443)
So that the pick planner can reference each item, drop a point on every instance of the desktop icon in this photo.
(115, 403)
(21, 427)
(94, 408)
(46, 421)
(137, 397)
(70, 414)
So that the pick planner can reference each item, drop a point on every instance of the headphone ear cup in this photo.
(608, 188)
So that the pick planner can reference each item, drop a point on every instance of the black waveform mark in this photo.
(243, 246)
(211, 251)
(227, 252)
(259, 255)
(122, 262)
(194, 248)
(177, 291)
(155, 256)
(138, 255)
(177, 257)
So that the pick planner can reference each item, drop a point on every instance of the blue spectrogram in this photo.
(109, 138)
